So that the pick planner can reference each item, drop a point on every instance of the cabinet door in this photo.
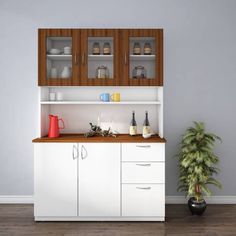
(142, 63)
(99, 57)
(55, 186)
(58, 57)
(99, 179)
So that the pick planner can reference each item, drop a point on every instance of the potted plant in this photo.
(197, 166)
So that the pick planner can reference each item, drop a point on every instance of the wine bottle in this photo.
(146, 125)
(133, 125)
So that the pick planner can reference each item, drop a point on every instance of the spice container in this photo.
(147, 49)
(102, 72)
(96, 48)
(137, 49)
(106, 49)
(139, 72)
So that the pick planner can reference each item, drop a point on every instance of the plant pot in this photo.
(196, 207)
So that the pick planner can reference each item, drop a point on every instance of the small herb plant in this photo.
(197, 162)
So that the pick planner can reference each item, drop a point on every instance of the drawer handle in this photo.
(145, 188)
(143, 146)
(143, 164)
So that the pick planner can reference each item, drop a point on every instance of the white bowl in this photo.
(54, 51)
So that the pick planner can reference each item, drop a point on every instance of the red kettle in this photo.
(54, 128)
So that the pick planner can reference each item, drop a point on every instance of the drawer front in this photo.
(143, 172)
(143, 152)
(143, 200)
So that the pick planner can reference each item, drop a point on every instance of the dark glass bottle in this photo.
(146, 124)
(133, 125)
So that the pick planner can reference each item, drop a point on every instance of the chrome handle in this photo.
(125, 58)
(143, 146)
(145, 188)
(143, 164)
(83, 58)
(76, 58)
(75, 155)
(82, 153)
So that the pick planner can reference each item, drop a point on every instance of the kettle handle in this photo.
(63, 124)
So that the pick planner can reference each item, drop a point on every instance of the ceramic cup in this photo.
(66, 72)
(53, 72)
(52, 96)
(115, 97)
(105, 97)
(59, 96)
(67, 50)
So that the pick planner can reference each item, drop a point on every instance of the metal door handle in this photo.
(125, 58)
(143, 164)
(143, 146)
(75, 152)
(76, 58)
(145, 188)
(82, 153)
(83, 58)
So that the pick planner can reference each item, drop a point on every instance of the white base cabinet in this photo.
(99, 181)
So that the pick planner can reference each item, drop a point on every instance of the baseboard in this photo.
(28, 199)
(209, 200)
(16, 199)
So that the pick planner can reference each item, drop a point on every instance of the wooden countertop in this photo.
(79, 138)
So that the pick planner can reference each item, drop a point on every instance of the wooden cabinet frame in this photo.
(121, 60)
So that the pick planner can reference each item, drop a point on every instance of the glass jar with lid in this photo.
(102, 72)
(106, 48)
(147, 49)
(137, 48)
(96, 48)
(139, 72)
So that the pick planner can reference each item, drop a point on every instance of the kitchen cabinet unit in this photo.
(100, 57)
(94, 180)
(51, 57)
(55, 186)
(99, 180)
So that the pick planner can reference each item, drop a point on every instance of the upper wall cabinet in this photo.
(142, 53)
(100, 57)
(57, 57)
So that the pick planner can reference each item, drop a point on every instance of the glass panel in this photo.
(142, 55)
(100, 57)
(59, 57)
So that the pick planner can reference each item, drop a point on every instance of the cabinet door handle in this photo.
(125, 58)
(75, 152)
(143, 146)
(83, 58)
(76, 58)
(144, 188)
(82, 152)
(143, 164)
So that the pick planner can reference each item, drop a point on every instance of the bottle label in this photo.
(146, 130)
(133, 130)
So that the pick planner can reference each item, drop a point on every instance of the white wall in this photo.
(200, 73)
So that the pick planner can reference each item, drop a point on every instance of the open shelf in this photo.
(100, 103)
(60, 57)
(142, 57)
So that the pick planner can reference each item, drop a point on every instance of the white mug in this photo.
(59, 96)
(67, 50)
(52, 96)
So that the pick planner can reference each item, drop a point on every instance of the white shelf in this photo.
(142, 57)
(100, 57)
(60, 57)
(100, 103)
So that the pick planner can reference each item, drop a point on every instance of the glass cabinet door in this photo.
(99, 57)
(142, 62)
(57, 57)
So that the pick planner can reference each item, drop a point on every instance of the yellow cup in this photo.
(115, 97)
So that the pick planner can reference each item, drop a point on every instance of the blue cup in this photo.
(105, 97)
